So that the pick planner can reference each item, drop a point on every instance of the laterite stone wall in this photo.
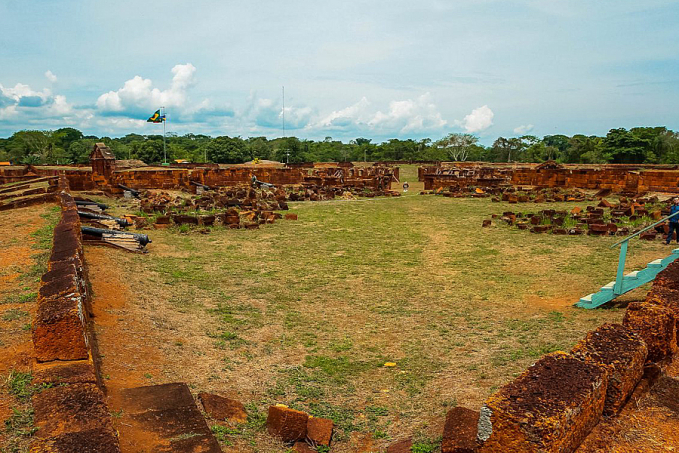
(71, 415)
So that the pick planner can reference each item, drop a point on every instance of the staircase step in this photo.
(629, 282)
(608, 287)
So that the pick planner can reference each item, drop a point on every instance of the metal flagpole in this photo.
(162, 117)
(284, 111)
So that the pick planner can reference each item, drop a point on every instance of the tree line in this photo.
(652, 145)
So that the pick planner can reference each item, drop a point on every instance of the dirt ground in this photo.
(25, 239)
(643, 426)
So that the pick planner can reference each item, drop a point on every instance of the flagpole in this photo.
(163, 119)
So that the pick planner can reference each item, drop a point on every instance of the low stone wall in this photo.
(615, 177)
(70, 411)
(179, 178)
(555, 403)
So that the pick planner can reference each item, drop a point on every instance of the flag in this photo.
(156, 118)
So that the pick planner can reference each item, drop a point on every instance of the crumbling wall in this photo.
(167, 179)
(71, 413)
(639, 178)
(556, 402)
(243, 175)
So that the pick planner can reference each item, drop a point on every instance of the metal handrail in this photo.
(645, 229)
(617, 287)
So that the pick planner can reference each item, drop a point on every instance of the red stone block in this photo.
(540, 228)
(460, 430)
(287, 424)
(656, 325)
(623, 353)
(551, 407)
(70, 408)
(59, 373)
(222, 408)
(402, 446)
(319, 430)
(302, 447)
(100, 440)
(59, 331)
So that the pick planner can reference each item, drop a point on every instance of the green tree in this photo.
(30, 147)
(149, 151)
(457, 146)
(79, 151)
(288, 149)
(65, 136)
(227, 150)
(507, 149)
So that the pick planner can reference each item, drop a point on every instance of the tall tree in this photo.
(227, 150)
(457, 145)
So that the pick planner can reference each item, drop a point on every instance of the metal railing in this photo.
(617, 288)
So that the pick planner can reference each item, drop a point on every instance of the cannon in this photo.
(95, 216)
(257, 183)
(201, 185)
(142, 239)
(86, 203)
(134, 192)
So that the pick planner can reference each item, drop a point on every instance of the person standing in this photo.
(405, 186)
(674, 221)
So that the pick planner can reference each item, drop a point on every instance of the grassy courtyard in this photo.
(307, 313)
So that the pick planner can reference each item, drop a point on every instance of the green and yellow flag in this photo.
(156, 118)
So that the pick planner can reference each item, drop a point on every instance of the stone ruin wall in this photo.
(627, 178)
(554, 405)
(70, 412)
(178, 178)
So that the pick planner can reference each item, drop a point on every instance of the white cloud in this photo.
(478, 120)
(268, 113)
(409, 116)
(25, 96)
(25, 107)
(523, 129)
(403, 116)
(50, 76)
(138, 94)
(357, 113)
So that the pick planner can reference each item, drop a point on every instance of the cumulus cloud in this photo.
(409, 116)
(139, 95)
(354, 114)
(22, 105)
(403, 116)
(50, 76)
(268, 113)
(478, 120)
(523, 129)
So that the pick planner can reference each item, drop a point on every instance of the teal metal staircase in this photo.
(624, 283)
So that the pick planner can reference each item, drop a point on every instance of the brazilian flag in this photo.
(156, 118)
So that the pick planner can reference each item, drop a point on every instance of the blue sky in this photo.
(376, 69)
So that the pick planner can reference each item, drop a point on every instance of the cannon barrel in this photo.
(257, 183)
(102, 206)
(141, 238)
(134, 192)
(201, 185)
(94, 215)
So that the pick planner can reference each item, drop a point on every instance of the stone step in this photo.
(164, 416)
